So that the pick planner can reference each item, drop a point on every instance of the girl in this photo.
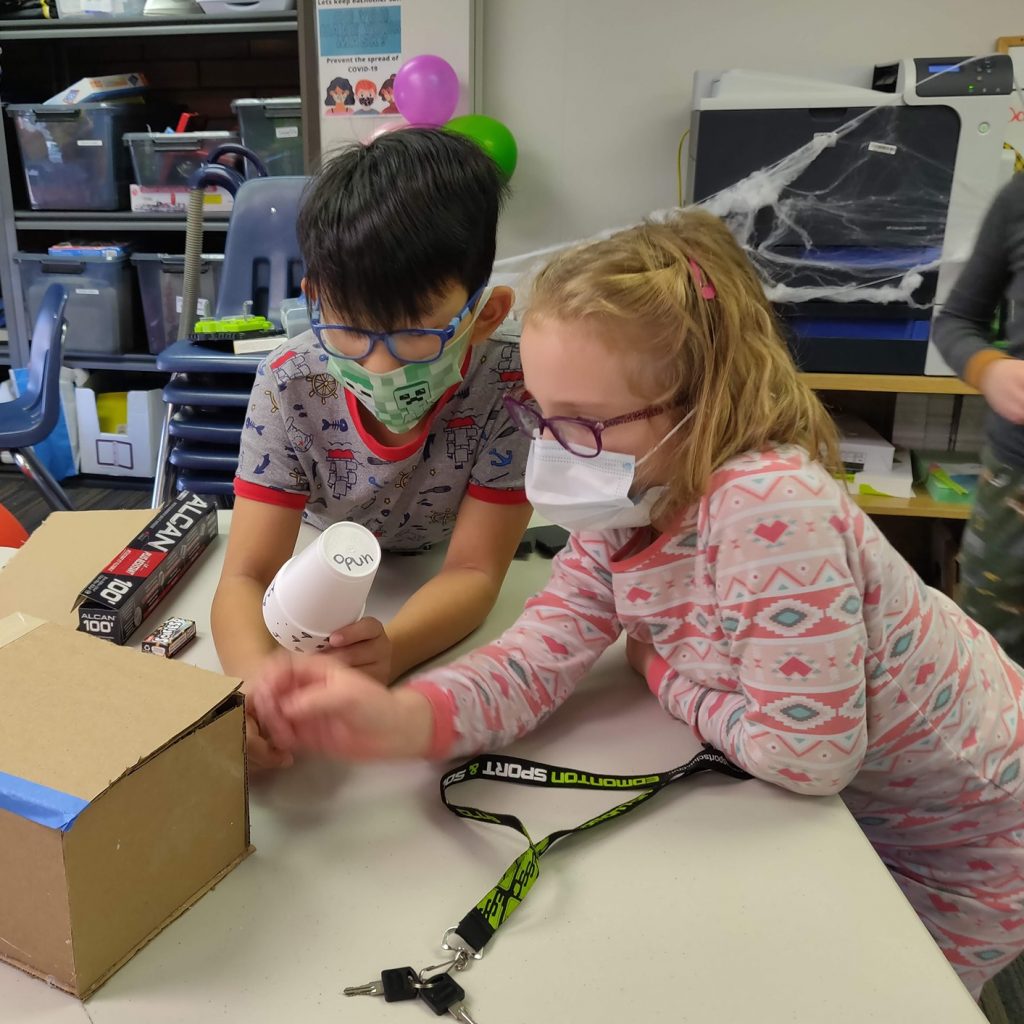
(675, 440)
(339, 96)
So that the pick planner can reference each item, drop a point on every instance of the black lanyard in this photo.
(479, 925)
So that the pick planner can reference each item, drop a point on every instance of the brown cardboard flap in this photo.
(46, 575)
(78, 714)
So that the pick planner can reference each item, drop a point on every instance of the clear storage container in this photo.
(272, 129)
(161, 284)
(73, 157)
(100, 307)
(101, 8)
(166, 160)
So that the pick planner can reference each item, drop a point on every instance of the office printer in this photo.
(886, 174)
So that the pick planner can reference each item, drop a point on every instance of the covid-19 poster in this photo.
(362, 44)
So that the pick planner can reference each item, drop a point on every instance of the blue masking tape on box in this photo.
(38, 803)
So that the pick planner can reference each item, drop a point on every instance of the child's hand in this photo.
(260, 754)
(639, 655)
(364, 645)
(315, 704)
(1002, 384)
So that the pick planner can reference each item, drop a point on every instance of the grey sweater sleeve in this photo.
(964, 327)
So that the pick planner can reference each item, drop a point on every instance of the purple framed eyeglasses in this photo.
(575, 434)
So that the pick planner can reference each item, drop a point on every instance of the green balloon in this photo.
(495, 138)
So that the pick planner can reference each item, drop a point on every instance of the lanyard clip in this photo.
(462, 950)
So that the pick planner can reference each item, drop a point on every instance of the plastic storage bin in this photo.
(161, 283)
(100, 8)
(272, 129)
(100, 304)
(167, 160)
(73, 156)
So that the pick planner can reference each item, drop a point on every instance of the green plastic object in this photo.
(234, 325)
(949, 477)
(494, 137)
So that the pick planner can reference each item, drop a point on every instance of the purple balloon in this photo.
(426, 90)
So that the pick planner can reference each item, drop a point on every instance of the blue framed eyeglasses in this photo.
(407, 345)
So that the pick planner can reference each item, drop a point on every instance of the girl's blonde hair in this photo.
(722, 357)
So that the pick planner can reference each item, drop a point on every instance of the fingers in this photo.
(361, 655)
(266, 711)
(365, 629)
(260, 755)
(307, 705)
(278, 674)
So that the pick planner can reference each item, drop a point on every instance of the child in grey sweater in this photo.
(992, 557)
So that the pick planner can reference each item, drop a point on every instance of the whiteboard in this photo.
(362, 43)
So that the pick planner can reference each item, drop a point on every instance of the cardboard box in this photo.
(117, 600)
(132, 453)
(47, 574)
(146, 199)
(122, 798)
(861, 447)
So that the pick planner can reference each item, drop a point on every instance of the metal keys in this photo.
(443, 994)
(395, 984)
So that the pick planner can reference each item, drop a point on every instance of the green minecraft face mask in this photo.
(401, 398)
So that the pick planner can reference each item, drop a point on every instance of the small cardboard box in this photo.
(96, 90)
(132, 453)
(122, 798)
(115, 602)
(862, 448)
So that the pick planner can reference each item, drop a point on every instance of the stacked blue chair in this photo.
(208, 392)
(31, 417)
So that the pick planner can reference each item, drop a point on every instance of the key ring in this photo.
(464, 950)
(456, 963)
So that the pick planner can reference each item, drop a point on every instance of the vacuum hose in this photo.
(210, 173)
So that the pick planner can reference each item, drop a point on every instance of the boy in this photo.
(992, 556)
(388, 413)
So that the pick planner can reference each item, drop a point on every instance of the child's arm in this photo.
(261, 540)
(458, 599)
(487, 698)
(791, 609)
(504, 690)
(963, 329)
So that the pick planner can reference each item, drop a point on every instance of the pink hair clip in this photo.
(707, 289)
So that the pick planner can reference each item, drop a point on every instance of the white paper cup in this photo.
(323, 588)
(285, 631)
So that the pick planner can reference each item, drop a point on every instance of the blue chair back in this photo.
(42, 391)
(262, 262)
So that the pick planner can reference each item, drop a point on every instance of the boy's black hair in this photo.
(388, 227)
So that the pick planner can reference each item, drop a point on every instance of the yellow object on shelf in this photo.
(112, 410)
(922, 504)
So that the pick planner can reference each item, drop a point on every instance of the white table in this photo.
(721, 901)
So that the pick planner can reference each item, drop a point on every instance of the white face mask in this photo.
(589, 494)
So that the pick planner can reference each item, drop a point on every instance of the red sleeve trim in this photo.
(441, 702)
(269, 495)
(496, 497)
